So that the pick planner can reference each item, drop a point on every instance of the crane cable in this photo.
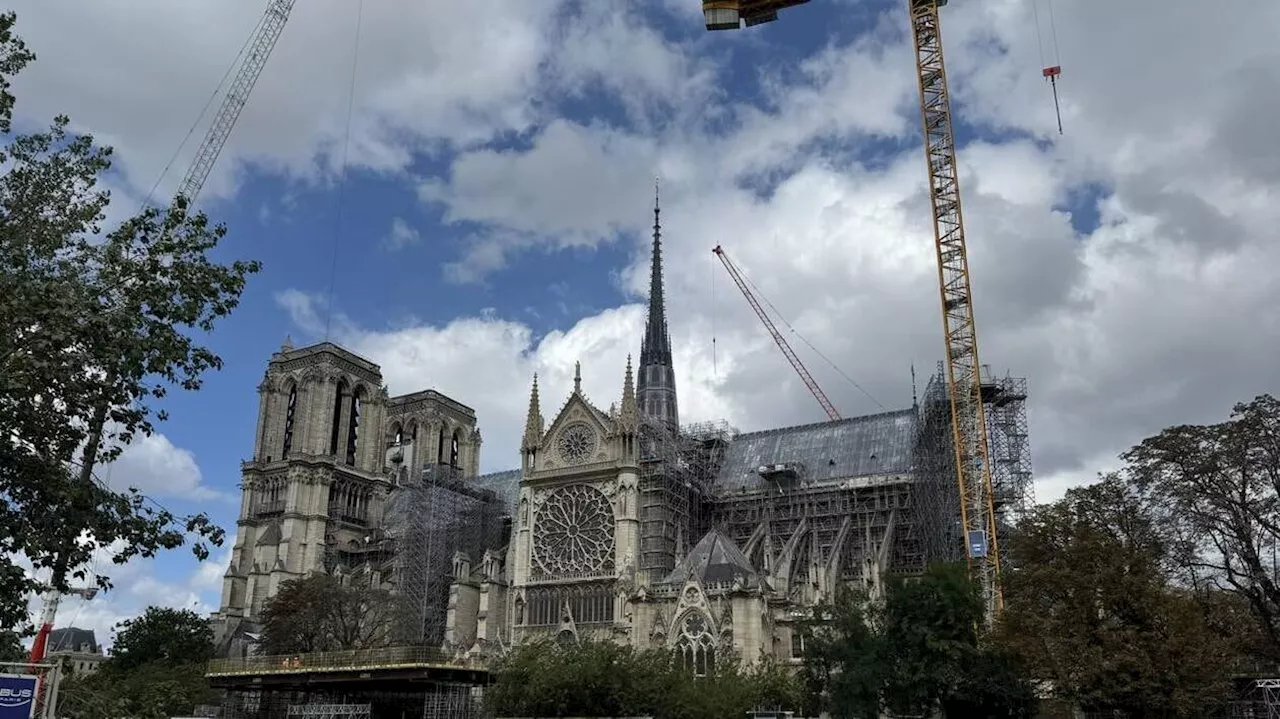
(801, 337)
(1050, 72)
(342, 172)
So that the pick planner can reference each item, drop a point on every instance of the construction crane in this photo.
(964, 385)
(48, 613)
(260, 45)
(809, 382)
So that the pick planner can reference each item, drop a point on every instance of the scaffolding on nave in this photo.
(430, 519)
(936, 493)
(676, 472)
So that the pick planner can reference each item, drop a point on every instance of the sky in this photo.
(462, 193)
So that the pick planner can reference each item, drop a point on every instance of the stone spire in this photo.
(533, 423)
(656, 392)
(577, 377)
(655, 349)
(629, 414)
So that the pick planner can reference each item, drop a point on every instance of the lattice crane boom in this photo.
(785, 346)
(964, 381)
(259, 50)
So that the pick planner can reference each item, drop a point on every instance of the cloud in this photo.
(159, 469)
(136, 586)
(1122, 267)
(400, 236)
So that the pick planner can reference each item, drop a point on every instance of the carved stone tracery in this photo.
(573, 532)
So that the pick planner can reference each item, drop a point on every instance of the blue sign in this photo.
(18, 696)
(977, 543)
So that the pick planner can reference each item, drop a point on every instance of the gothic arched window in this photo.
(288, 420)
(340, 393)
(353, 424)
(696, 645)
(453, 450)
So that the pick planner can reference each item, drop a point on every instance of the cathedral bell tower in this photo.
(314, 487)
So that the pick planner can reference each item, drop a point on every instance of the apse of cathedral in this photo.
(618, 525)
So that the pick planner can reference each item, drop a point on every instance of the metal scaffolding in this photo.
(816, 519)
(676, 470)
(936, 495)
(428, 521)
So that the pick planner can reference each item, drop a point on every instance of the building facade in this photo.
(619, 524)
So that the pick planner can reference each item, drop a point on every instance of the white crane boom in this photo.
(260, 47)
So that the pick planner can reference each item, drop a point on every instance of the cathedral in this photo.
(619, 524)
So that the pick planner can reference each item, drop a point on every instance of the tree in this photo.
(98, 327)
(162, 634)
(918, 652)
(842, 670)
(1217, 489)
(321, 614)
(11, 648)
(607, 679)
(155, 690)
(1090, 609)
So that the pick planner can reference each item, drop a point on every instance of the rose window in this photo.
(573, 532)
(576, 443)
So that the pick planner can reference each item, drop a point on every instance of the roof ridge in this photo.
(837, 422)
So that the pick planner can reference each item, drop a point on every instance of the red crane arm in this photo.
(777, 336)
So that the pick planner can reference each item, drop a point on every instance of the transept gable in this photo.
(579, 434)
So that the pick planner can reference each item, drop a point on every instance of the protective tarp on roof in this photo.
(505, 484)
(715, 559)
(876, 444)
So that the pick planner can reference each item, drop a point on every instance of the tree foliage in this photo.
(156, 669)
(606, 679)
(1091, 609)
(162, 634)
(916, 653)
(154, 690)
(98, 327)
(11, 648)
(321, 614)
(1216, 490)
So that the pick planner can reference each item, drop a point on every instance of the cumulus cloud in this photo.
(1121, 267)
(400, 236)
(136, 586)
(157, 468)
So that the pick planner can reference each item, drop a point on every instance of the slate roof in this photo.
(505, 484)
(868, 446)
(715, 559)
(71, 639)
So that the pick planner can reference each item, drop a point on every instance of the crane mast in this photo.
(259, 49)
(809, 382)
(964, 382)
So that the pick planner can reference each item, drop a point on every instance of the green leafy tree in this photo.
(606, 679)
(155, 690)
(1091, 609)
(161, 634)
(98, 326)
(1216, 490)
(843, 672)
(321, 614)
(11, 648)
(916, 653)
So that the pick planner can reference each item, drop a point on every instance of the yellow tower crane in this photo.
(964, 383)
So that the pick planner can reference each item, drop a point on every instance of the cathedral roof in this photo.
(715, 559)
(504, 484)
(859, 447)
